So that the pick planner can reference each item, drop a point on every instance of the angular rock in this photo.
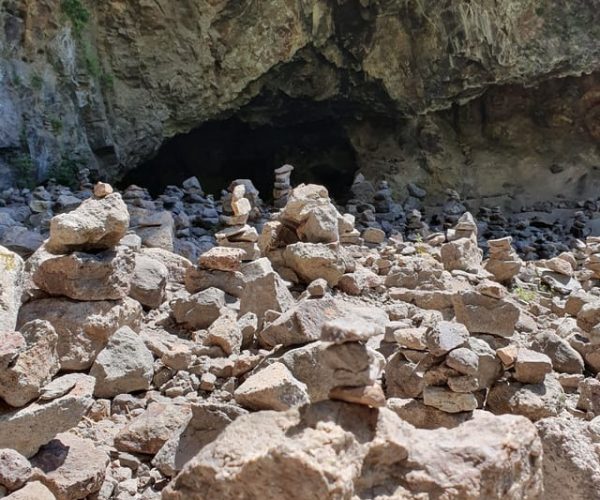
(263, 290)
(149, 281)
(148, 432)
(24, 370)
(534, 401)
(323, 366)
(125, 365)
(565, 359)
(369, 395)
(449, 401)
(445, 336)
(463, 360)
(222, 259)
(358, 324)
(481, 314)
(200, 310)
(83, 328)
(206, 422)
(273, 388)
(97, 224)
(462, 254)
(71, 467)
(197, 280)
(531, 367)
(83, 276)
(317, 260)
(27, 429)
(225, 333)
(177, 265)
(373, 235)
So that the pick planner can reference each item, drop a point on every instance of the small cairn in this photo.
(283, 186)
(503, 262)
(239, 234)
(452, 209)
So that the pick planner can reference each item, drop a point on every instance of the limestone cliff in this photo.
(435, 91)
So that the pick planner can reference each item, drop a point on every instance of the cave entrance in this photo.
(218, 152)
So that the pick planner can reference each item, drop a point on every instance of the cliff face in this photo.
(106, 82)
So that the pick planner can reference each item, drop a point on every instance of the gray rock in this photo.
(445, 336)
(149, 281)
(125, 365)
(200, 310)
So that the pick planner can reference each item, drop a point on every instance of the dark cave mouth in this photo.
(221, 151)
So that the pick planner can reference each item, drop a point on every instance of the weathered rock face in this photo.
(103, 93)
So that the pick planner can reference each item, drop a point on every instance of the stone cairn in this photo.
(282, 187)
(503, 262)
(441, 364)
(238, 234)
(452, 209)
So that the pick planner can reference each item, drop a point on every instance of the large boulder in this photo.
(11, 288)
(97, 224)
(83, 328)
(271, 455)
(124, 365)
(104, 275)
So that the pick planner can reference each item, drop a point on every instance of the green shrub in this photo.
(56, 125)
(36, 82)
(525, 295)
(77, 14)
(65, 173)
(25, 171)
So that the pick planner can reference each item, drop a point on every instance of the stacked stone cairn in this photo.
(282, 186)
(238, 234)
(303, 241)
(503, 262)
(453, 208)
(462, 252)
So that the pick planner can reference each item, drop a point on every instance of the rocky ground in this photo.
(187, 348)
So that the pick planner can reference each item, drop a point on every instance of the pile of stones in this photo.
(173, 347)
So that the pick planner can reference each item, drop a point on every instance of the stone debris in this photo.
(341, 352)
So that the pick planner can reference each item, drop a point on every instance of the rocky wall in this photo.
(105, 83)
